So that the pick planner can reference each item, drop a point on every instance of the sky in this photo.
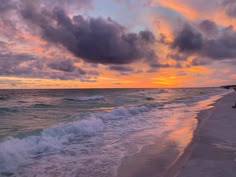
(117, 43)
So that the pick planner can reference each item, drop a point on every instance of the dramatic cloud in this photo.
(5, 5)
(199, 62)
(80, 39)
(223, 47)
(190, 40)
(63, 65)
(95, 40)
(68, 66)
(121, 68)
(68, 5)
(159, 65)
(209, 28)
(25, 65)
(178, 57)
(230, 7)
(13, 64)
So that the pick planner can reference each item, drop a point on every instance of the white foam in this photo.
(123, 112)
(98, 142)
(89, 98)
(15, 151)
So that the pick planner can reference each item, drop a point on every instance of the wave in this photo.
(118, 122)
(193, 99)
(159, 91)
(3, 98)
(42, 105)
(15, 152)
(149, 98)
(89, 98)
(123, 112)
(8, 110)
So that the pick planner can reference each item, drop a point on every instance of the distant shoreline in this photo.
(100, 88)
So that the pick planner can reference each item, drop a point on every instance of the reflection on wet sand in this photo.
(156, 159)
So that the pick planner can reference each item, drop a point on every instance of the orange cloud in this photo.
(200, 69)
(179, 6)
(233, 76)
(191, 12)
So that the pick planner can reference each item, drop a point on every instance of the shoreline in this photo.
(204, 143)
(149, 161)
(202, 117)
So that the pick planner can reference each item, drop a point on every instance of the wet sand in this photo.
(155, 160)
(208, 152)
(212, 152)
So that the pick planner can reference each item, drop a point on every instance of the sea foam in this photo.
(88, 98)
(15, 151)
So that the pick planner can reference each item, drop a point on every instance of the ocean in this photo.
(89, 132)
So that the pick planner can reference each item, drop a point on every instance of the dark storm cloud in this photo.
(188, 40)
(95, 40)
(208, 27)
(222, 46)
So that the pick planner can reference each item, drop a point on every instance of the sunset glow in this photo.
(117, 43)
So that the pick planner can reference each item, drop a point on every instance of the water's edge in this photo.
(148, 153)
(202, 117)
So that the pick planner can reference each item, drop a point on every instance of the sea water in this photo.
(87, 132)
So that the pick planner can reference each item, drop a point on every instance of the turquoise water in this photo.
(87, 132)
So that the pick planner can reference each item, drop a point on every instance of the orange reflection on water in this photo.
(183, 135)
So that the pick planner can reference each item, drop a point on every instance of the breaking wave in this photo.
(123, 112)
(42, 105)
(15, 151)
(89, 98)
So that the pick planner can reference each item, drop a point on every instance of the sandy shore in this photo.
(212, 152)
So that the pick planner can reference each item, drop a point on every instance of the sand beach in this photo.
(211, 151)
